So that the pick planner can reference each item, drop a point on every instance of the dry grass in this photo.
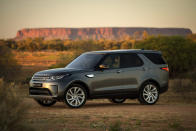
(180, 91)
(39, 58)
(12, 109)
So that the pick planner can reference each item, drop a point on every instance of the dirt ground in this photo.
(100, 115)
(173, 112)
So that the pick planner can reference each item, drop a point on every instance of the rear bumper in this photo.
(164, 88)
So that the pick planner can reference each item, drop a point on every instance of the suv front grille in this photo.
(39, 91)
(40, 78)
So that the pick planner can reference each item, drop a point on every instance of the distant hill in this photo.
(112, 33)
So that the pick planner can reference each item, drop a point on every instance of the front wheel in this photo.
(117, 100)
(75, 96)
(45, 102)
(149, 94)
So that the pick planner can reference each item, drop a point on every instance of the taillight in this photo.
(165, 68)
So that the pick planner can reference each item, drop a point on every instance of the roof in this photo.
(125, 51)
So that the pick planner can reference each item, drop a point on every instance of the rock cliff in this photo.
(98, 33)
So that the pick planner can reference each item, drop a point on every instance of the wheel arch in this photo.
(150, 81)
(83, 84)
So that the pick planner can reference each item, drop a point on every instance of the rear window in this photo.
(155, 58)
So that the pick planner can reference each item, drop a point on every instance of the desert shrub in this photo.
(85, 45)
(183, 89)
(190, 75)
(64, 60)
(9, 68)
(38, 44)
(11, 109)
(179, 52)
(182, 85)
(126, 45)
(113, 45)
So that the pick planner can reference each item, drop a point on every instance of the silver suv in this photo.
(116, 75)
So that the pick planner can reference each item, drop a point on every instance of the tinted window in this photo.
(130, 60)
(155, 58)
(85, 61)
(112, 61)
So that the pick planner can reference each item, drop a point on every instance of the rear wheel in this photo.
(45, 102)
(75, 96)
(149, 94)
(117, 100)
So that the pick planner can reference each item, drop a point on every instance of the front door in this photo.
(107, 80)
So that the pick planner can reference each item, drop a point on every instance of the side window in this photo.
(155, 58)
(130, 60)
(112, 61)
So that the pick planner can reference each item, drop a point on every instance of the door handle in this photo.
(118, 71)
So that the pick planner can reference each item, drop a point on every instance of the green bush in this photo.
(179, 52)
(9, 69)
(11, 109)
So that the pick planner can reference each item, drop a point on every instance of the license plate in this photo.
(37, 84)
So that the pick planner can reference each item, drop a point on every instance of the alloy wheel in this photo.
(75, 97)
(150, 93)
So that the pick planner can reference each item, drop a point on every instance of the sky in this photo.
(19, 14)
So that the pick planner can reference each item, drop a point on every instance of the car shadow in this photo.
(101, 105)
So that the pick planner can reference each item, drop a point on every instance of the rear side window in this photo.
(155, 58)
(130, 60)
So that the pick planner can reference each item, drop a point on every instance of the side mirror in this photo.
(103, 66)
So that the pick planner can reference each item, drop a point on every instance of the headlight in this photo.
(56, 77)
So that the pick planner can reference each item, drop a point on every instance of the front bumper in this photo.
(43, 89)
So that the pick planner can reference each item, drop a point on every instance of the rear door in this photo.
(159, 68)
(130, 72)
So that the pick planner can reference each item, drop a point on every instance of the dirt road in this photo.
(103, 115)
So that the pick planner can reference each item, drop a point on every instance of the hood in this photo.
(58, 71)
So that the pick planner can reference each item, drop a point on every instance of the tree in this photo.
(192, 37)
(126, 45)
(145, 35)
(136, 35)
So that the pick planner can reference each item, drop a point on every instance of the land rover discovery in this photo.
(116, 75)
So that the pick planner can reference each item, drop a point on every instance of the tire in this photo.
(45, 102)
(117, 100)
(149, 94)
(75, 96)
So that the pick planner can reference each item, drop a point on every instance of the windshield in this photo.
(85, 61)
